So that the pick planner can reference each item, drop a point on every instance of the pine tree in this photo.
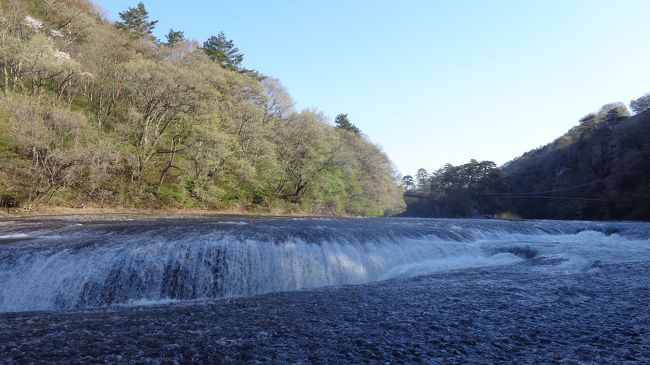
(222, 50)
(136, 20)
(422, 179)
(408, 182)
(342, 122)
(174, 37)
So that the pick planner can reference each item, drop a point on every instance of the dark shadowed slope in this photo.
(605, 160)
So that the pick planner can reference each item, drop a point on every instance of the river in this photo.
(213, 289)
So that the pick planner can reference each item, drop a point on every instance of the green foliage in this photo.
(57, 143)
(174, 37)
(170, 196)
(136, 20)
(342, 122)
(457, 191)
(222, 51)
(92, 115)
(422, 179)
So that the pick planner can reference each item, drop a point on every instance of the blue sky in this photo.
(436, 81)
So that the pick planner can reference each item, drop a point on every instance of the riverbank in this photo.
(146, 212)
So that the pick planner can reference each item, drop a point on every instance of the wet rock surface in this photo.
(522, 313)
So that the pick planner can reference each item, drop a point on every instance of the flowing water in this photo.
(56, 272)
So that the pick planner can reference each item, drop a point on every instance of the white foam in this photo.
(12, 236)
(146, 301)
(572, 264)
(147, 269)
(447, 264)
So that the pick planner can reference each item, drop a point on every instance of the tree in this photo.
(162, 96)
(342, 122)
(136, 20)
(589, 119)
(174, 37)
(103, 59)
(408, 182)
(58, 144)
(223, 51)
(613, 112)
(277, 102)
(422, 179)
(306, 152)
(458, 191)
(35, 64)
(70, 22)
(641, 104)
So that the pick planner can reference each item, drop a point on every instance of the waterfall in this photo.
(64, 266)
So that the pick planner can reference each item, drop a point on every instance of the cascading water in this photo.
(62, 265)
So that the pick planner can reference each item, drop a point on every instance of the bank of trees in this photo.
(104, 114)
(599, 169)
(455, 191)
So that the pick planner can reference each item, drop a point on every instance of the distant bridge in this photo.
(531, 195)
(412, 194)
(552, 197)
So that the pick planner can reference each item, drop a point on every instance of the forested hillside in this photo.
(600, 169)
(103, 114)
